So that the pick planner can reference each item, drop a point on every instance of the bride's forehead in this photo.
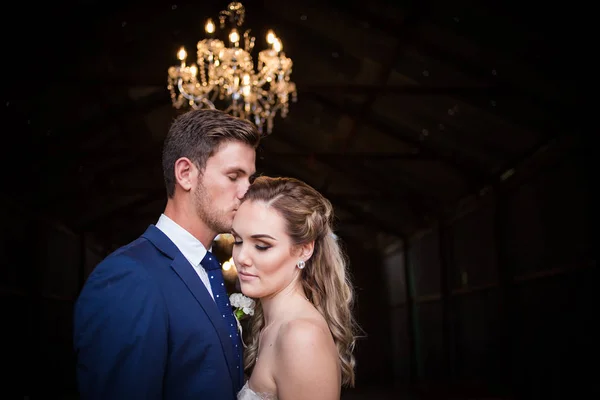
(257, 210)
(254, 216)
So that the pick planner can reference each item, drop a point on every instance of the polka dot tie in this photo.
(217, 284)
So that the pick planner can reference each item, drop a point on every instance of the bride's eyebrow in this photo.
(255, 236)
(263, 236)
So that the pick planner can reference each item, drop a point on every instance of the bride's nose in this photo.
(241, 258)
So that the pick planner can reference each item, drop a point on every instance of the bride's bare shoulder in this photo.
(303, 331)
(306, 361)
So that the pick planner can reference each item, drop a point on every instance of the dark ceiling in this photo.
(405, 107)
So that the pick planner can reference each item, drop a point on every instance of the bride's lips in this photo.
(245, 276)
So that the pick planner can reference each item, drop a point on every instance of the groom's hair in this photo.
(197, 135)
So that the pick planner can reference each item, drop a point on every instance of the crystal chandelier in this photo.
(224, 76)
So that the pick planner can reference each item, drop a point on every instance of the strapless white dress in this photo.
(248, 394)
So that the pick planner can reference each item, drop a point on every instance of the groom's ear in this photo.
(186, 173)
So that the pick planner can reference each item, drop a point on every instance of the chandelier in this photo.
(224, 75)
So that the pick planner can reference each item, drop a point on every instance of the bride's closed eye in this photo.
(259, 247)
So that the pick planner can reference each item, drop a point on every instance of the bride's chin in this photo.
(248, 292)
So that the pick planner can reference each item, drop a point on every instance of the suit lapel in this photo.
(190, 278)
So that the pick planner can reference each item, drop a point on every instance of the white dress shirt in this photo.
(190, 247)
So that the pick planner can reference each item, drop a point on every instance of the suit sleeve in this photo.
(120, 334)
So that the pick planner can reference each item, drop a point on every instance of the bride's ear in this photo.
(306, 251)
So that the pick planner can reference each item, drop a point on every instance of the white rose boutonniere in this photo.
(242, 306)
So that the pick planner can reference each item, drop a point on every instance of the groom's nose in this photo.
(243, 188)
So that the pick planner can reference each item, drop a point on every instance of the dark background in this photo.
(448, 135)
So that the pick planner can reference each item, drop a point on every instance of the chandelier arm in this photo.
(189, 96)
(214, 96)
(208, 103)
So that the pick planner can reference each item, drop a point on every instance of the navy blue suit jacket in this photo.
(145, 327)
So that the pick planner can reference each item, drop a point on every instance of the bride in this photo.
(302, 331)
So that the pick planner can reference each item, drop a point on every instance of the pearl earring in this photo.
(301, 264)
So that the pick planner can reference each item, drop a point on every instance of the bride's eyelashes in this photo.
(259, 247)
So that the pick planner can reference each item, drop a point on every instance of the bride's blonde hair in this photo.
(308, 217)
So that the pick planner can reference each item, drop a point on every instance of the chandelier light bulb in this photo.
(181, 54)
(270, 37)
(210, 26)
(234, 36)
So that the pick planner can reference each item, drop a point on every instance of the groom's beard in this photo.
(209, 212)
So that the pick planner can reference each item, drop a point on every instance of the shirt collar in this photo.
(190, 247)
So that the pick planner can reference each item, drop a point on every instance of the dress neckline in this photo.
(259, 395)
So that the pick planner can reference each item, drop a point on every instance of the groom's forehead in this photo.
(234, 156)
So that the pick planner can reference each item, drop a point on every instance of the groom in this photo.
(153, 320)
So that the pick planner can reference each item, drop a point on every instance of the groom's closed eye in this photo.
(233, 177)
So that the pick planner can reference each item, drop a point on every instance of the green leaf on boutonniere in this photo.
(239, 313)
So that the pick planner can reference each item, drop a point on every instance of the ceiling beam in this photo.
(366, 218)
(138, 80)
(470, 172)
